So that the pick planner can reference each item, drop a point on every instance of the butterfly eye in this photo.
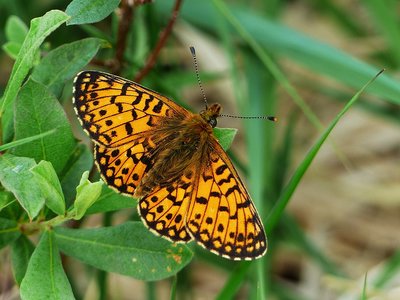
(213, 122)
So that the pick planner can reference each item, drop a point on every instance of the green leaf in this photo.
(22, 250)
(16, 178)
(45, 277)
(86, 194)
(48, 181)
(128, 249)
(9, 232)
(40, 28)
(62, 63)
(80, 161)
(110, 200)
(12, 49)
(5, 199)
(84, 12)
(225, 136)
(16, 30)
(13, 209)
(38, 111)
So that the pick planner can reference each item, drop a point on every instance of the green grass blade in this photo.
(277, 211)
(364, 291)
(389, 270)
(173, 287)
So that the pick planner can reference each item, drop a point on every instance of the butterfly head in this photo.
(211, 113)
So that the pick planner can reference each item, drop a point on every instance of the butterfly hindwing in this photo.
(222, 217)
(164, 209)
(123, 168)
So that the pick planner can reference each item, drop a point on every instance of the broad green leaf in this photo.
(84, 12)
(40, 28)
(12, 49)
(16, 30)
(110, 200)
(16, 178)
(225, 136)
(128, 249)
(38, 111)
(22, 250)
(62, 63)
(45, 277)
(80, 161)
(9, 232)
(48, 181)
(86, 194)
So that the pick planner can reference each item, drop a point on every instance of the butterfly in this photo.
(151, 148)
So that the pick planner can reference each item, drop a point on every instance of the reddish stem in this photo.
(161, 42)
(123, 30)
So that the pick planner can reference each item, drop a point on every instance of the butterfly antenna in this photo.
(270, 118)
(196, 68)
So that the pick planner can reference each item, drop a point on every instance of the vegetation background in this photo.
(332, 222)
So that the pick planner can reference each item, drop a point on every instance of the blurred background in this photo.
(300, 60)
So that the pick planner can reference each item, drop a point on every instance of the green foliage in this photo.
(38, 111)
(225, 136)
(15, 30)
(40, 28)
(21, 251)
(8, 232)
(16, 177)
(49, 184)
(62, 63)
(45, 182)
(83, 12)
(86, 194)
(128, 249)
(45, 277)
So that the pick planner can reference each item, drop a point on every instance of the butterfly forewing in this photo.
(147, 146)
(114, 111)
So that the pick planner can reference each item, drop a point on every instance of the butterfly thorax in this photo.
(181, 146)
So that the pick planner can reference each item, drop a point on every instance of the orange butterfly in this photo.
(149, 147)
